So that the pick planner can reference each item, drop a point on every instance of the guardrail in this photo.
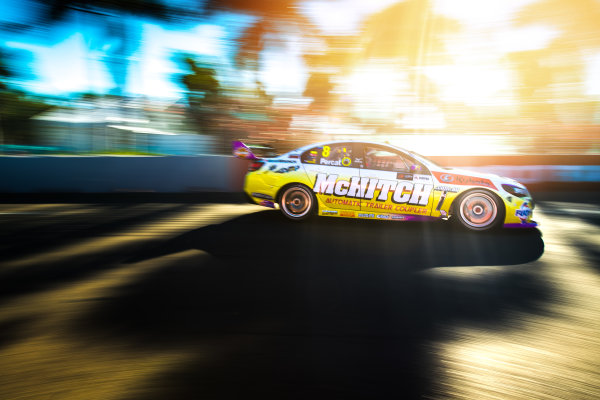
(208, 173)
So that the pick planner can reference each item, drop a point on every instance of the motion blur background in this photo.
(185, 296)
(159, 77)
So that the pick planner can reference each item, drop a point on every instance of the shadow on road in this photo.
(327, 309)
(407, 246)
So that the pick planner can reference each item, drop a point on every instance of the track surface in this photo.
(177, 300)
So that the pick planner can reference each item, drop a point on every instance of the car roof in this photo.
(412, 154)
(310, 146)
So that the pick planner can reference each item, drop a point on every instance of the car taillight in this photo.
(255, 165)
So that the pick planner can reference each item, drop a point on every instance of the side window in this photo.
(384, 159)
(334, 154)
(311, 156)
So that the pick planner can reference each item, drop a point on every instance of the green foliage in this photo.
(251, 43)
(262, 94)
(265, 8)
(202, 85)
(58, 9)
(4, 70)
(319, 87)
(15, 117)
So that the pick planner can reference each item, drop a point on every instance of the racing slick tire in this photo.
(479, 210)
(297, 202)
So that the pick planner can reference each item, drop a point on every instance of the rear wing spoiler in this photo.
(240, 150)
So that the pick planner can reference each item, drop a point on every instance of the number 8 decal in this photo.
(326, 150)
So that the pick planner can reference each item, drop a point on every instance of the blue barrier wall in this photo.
(175, 174)
(121, 174)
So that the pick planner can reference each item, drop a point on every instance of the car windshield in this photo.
(425, 158)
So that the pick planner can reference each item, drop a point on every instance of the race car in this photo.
(369, 180)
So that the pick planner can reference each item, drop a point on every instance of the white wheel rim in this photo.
(478, 210)
(296, 202)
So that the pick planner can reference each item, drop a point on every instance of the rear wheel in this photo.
(297, 202)
(479, 210)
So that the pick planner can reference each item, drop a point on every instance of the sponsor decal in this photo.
(272, 167)
(441, 202)
(450, 189)
(383, 216)
(421, 178)
(241, 152)
(345, 202)
(379, 206)
(283, 161)
(446, 178)
(410, 209)
(334, 163)
(329, 212)
(404, 177)
(346, 161)
(398, 217)
(347, 214)
(288, 169)
(396, 208)
(261, 196)
(364, 188)
(524, 212)
(366, 215)
(464, 180)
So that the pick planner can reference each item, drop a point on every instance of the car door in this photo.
(397, 184)
(332, 168)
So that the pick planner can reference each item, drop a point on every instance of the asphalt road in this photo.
(184, 300)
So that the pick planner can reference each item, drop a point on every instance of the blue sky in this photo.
(69, 57)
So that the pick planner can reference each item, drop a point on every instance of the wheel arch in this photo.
(501, 205)
(287, 185)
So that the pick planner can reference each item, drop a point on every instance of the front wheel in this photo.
(297, 202)
(480, 211)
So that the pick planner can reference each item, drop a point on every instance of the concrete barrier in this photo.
(208, 173)
(121, 174)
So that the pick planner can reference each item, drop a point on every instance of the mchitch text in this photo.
(364, 188)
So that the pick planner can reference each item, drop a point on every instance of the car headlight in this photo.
(516, 190)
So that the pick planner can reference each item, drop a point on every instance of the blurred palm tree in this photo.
(5, 72)
(319, 88)
(120, 35)
(407, 31)
(551, 75)
(577, 20)
(412, 36)
(273, 19)
(16, 110)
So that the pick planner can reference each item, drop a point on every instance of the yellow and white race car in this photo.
(370, 180)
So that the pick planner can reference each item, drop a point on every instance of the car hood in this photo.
(450, 175)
